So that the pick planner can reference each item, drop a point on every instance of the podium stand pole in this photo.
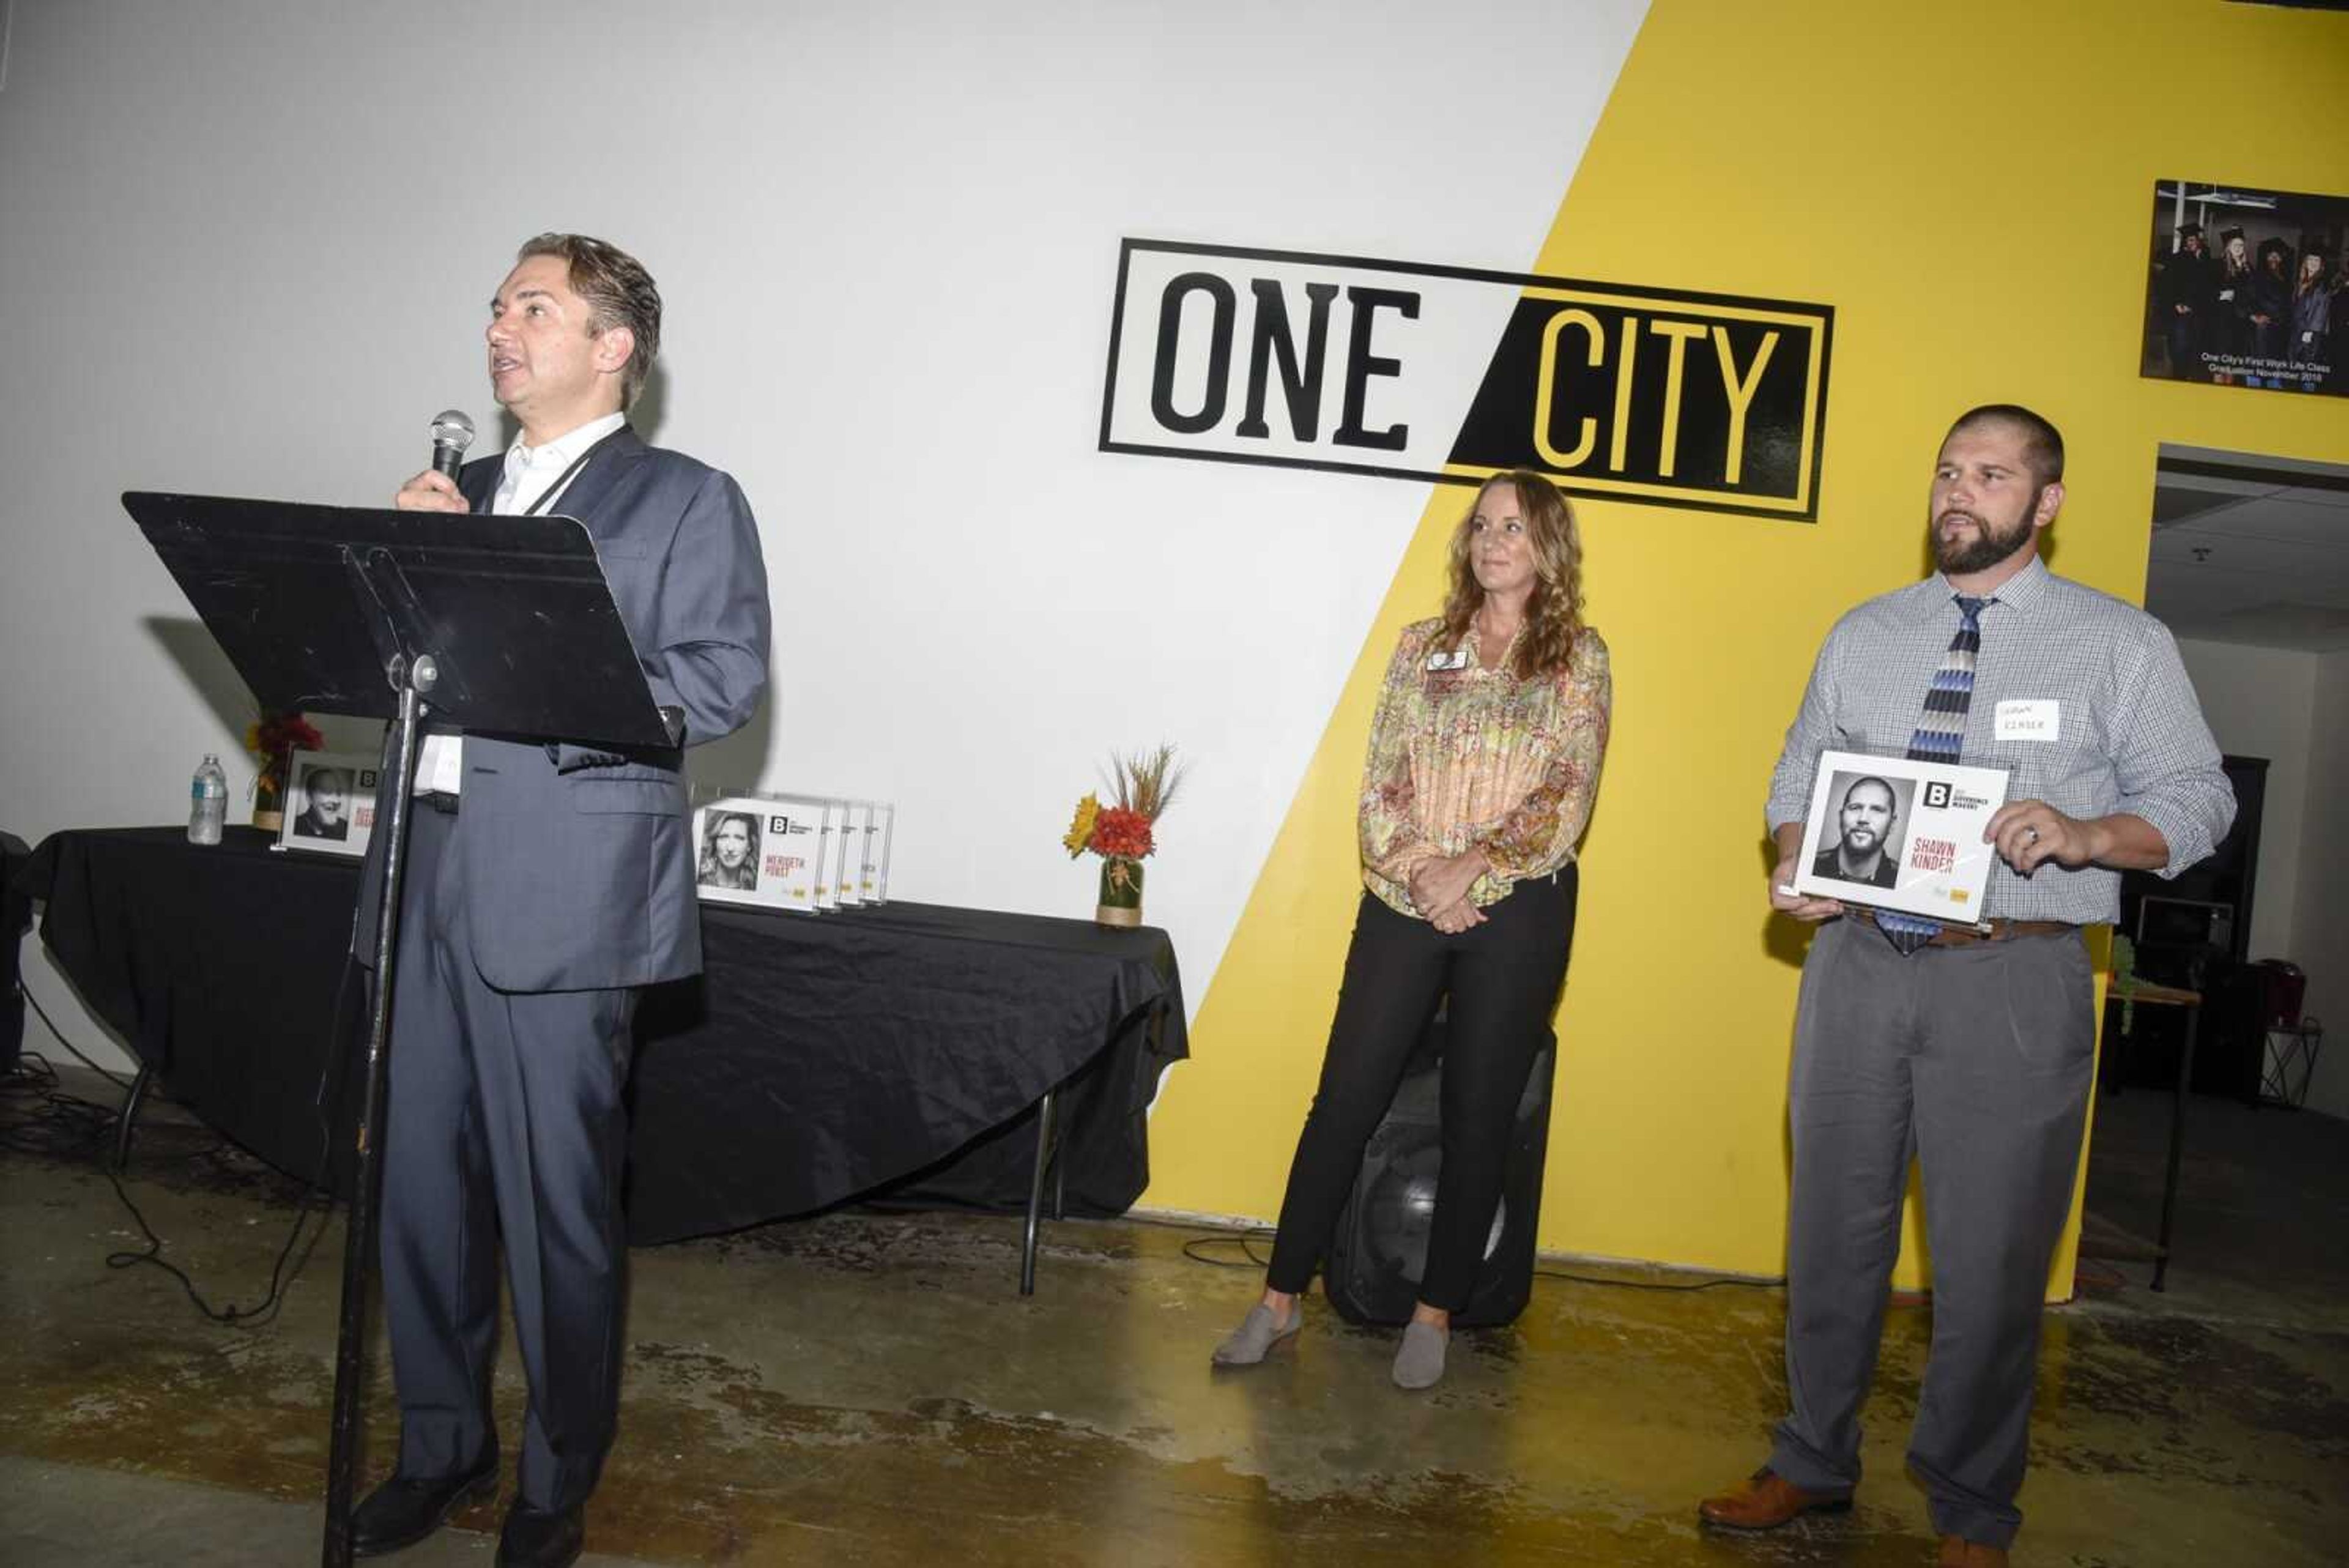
(360, 1237)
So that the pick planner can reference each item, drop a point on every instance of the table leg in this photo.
(129, 1116)
(2177, 1143)
(1045, 1153)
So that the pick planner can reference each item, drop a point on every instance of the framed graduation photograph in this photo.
(330, 802)
(1893, 832)
(2248, 288)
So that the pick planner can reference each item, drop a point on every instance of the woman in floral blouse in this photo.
(1485, 753)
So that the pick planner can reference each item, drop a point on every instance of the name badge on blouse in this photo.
(2031, 718)
(1455, 660)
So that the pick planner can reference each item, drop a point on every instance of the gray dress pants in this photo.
(504, 1120)
(1976, 1060)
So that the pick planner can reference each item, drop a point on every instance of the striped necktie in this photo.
(1939, 736)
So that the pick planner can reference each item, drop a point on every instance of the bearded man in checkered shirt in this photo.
(1970, 1050)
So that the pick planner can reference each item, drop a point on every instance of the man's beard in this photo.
(1989, 545)
(1858, 841)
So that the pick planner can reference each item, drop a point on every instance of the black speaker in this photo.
(1379, 1255)
(16, 919)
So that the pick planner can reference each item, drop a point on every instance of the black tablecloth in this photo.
(894, 1052)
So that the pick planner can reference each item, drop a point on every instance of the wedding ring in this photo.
(2033, 834)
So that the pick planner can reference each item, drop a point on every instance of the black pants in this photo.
(1503, 978)
(505, 1119)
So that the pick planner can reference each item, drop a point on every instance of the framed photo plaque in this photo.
(330, 802)
(872, 877)
(1896, 834)
(776, 851)
(749, 849)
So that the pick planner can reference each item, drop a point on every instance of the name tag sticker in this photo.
(2031, 718)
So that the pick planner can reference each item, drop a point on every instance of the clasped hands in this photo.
(2027, 834)
(1439, 890)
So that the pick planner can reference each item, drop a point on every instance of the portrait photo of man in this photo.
(1868, 815)
(325, 804)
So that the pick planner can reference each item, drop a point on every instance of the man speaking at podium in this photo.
(545, 884)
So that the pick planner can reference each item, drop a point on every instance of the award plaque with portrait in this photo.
(762, 850)
(330, 802)
(1894, 833)
(804, 852)
(823, 816)
(842, 853)
(872, 870)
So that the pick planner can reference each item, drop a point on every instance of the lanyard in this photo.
(556, 489)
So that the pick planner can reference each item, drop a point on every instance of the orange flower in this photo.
(1121, 834)
(274, 734)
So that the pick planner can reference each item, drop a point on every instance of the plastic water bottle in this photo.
(207, 802)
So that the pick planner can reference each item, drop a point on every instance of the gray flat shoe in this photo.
(1420, 1362)
(1256, 1335)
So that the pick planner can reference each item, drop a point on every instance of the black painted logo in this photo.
(1449, 374)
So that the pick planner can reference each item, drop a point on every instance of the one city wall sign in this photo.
(1418, 373)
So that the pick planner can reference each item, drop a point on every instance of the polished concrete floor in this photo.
(871, 1389)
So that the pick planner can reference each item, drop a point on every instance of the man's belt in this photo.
(1969, 936)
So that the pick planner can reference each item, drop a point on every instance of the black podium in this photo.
(501, 625)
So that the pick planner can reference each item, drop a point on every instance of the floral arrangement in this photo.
(1144, 785)
(273, 739)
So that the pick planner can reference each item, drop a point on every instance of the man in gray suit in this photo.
(545, 883)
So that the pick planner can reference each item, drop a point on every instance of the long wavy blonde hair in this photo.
(1553, 612)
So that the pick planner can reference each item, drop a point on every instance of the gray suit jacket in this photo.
(578, 868)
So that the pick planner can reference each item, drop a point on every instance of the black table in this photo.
(909, 1053)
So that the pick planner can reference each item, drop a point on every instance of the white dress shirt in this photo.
(530, 470)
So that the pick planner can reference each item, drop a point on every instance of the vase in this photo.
(1121, 893)
(269, 793)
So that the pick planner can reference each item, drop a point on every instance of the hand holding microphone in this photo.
(434, 488)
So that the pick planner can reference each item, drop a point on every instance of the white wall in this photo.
(2321, 922)
(245, 249)
(2260, 702)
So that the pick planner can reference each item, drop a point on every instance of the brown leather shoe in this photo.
(1766, 1501)
(1957, 1552)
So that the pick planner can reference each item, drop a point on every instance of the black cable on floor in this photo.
(229, 1316)
(63, 1126)
(97, 1128)
(1770, 1284)
(1194, 1250)
(1247, 1258)
(60, 1035)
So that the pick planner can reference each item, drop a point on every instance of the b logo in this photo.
(1937, 794)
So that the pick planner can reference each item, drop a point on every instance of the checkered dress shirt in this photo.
(2130, 736)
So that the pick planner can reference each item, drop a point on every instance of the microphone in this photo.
(453, 432)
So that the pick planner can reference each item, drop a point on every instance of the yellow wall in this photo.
(1970, 186)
